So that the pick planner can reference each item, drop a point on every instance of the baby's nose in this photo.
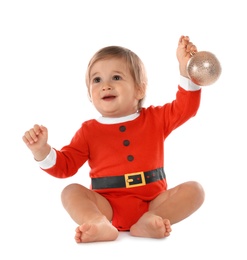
(107, 87)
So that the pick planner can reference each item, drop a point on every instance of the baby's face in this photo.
(112, 89)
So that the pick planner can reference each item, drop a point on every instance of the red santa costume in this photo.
(126, 155)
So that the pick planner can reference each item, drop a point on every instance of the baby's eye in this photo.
(96, 80)
(116, 77)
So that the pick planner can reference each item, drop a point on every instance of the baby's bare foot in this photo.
(96, 230)
(150, 225)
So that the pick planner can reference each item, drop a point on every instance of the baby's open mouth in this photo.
(110, 97)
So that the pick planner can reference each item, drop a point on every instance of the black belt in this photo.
(128, 180)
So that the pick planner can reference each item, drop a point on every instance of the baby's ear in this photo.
(141, 91)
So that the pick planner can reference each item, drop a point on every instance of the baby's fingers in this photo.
(37, 129)
(31, 136)
(191, 48)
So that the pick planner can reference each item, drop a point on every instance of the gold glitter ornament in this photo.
(203, 68)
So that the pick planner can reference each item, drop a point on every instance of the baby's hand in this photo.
(36, 140)
(185, 50)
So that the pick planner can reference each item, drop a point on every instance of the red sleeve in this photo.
(71, 157)
(181, 109)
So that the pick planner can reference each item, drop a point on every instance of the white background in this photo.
(44, 50)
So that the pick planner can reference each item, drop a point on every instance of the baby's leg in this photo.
(91, 211)
(168, 208)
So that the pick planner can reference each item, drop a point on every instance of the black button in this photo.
(126, 142)
(122, 128)
(130, 158)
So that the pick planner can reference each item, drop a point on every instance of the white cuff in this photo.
(49, 161)
(187, 84)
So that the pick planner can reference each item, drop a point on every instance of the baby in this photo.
(125, 151)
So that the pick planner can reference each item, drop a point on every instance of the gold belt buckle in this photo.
(129, 180)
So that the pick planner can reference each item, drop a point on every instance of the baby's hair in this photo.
(134, 63)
